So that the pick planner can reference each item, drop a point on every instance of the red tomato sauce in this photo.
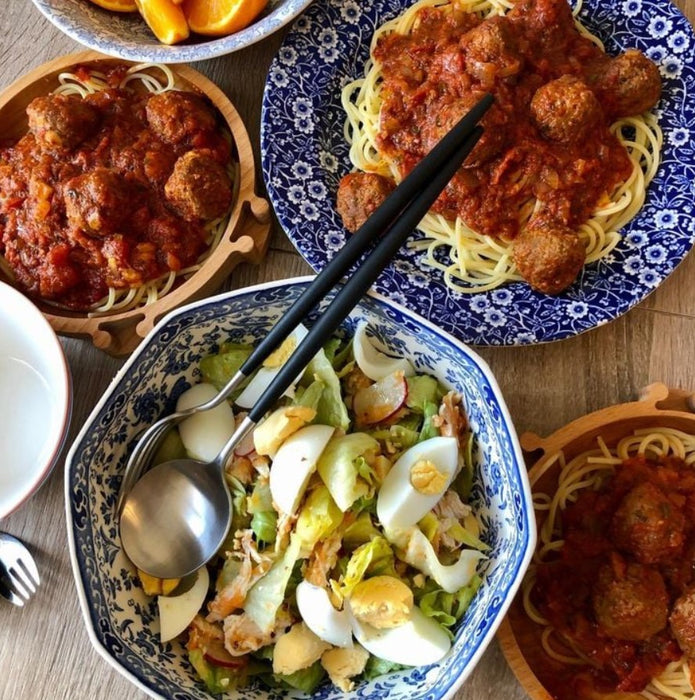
(143, 237)
(568, 592)
(429, 70)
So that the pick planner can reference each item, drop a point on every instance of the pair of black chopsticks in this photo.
(384, 231)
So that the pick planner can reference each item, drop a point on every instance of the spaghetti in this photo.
(149, 281)
(473, 254)
(590, 476)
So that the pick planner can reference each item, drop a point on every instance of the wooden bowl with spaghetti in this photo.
(126, 191)
(606, 610)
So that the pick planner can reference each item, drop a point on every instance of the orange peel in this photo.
(165, 18)
(221, 17)
(117, 5)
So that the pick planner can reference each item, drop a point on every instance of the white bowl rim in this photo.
(55, 350)
(485, 369)
(181, 53)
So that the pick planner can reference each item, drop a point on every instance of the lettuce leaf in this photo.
(374, 558)
(331, 408)
(338, 468)
(447, 608)
(267, 594)
(422, 390)
(220, 368)
(361, 531)
(429, 430)
(318, 517)
(306, 679)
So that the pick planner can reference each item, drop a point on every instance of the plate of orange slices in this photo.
(169, 31)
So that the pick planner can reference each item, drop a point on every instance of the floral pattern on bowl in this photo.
(304, 155)
(122, 621)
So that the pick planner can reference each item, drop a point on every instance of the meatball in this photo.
(491, 51)
(565, 109)
(176, 115)
(629, 85)
(98, 202)
(61, 122)
(648, 525)
(176, 243)
(199, 187)
(548, 256)
(490, 143)
(682, 621)
(359, 194)
(630, 600)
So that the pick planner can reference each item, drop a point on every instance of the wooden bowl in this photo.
(519, 637)
(245, 238)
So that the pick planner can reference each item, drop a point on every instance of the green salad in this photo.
(353, 550)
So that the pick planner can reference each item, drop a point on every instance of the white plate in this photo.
(35, 398)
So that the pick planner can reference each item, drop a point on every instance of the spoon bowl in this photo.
(173, 547)
(178, 514)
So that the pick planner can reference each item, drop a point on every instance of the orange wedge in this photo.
(117, 5)
(165, 18)
(220, 17)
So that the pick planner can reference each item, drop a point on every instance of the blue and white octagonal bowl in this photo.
(122, 621)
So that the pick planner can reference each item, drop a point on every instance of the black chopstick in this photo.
(367, 235)
(398, 217)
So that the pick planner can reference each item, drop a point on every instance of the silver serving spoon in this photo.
(178, 514)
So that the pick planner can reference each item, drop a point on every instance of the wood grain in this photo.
(45, 651)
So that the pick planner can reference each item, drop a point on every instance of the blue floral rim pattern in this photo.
(304, 155)
(122, 621)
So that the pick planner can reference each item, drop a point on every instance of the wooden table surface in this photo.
(45, 652)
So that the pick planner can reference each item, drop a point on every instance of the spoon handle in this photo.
(353, 290)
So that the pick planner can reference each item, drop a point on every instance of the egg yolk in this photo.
(426, 478)
(282, 354)
(382, 601)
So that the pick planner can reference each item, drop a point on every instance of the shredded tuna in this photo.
(323, 558)
(451, 419)
(243, 636)
(253, 566)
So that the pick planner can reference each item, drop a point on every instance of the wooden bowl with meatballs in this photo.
(126, 190)
(607, 608)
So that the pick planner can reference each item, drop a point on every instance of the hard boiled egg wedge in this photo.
(204, 434)
(374, 363)
(319, 615)
(270, 368)
(177, 611)
(417, 642)
(416, 482)
(295, 462)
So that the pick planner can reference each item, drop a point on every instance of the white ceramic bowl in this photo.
(125, 35)
(35, 398)
(122, 621)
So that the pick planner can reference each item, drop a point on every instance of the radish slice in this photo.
(216, 654)
(246, 446)
(380, 400)
(374, 363)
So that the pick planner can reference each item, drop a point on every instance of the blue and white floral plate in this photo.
(122, 621)
(304, 155)
(125, 35)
